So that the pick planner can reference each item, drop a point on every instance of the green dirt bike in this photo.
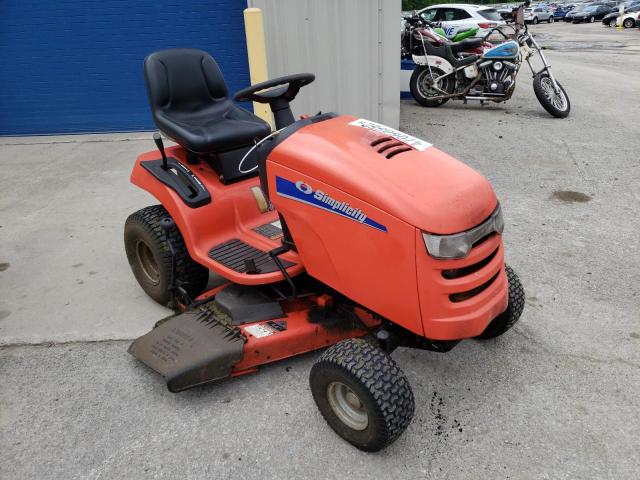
(461, 35)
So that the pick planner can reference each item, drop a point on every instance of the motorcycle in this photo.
(475, 69)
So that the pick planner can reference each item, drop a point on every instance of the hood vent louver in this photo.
(390, 146)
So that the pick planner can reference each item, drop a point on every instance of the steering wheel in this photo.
(289, 86)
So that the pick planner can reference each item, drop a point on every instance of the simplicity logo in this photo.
(302, 192)
(343, 207)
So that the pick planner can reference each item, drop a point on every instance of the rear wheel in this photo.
(535, 20)
(145, 243)
(511, 315)
(423, 88)
(592, 19)
(556, 103)
(629, 23)
(362, 394)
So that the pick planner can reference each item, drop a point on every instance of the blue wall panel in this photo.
(76, 66)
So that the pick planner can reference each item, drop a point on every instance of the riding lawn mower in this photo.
(331, 231)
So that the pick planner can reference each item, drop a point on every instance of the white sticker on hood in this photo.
(410, 140)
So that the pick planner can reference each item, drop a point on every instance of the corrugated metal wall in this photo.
(68, 66)
(353, 47)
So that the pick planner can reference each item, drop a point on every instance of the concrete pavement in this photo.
(555, 398)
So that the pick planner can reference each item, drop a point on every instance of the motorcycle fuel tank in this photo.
(508, 49)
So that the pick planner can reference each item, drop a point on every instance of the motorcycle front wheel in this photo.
(557, 104)
(422, 89)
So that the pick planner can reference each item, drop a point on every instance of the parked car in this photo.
(538, 14)
(454, 17)
(560, 12)
(629, 20)
(609, 20)
(592, 13)
(574, 11)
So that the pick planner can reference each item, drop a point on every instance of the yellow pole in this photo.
(257, 53)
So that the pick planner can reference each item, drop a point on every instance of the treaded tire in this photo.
(511, 315)
(629, 23)
(145, 243)
(379, 384)
(538, 89)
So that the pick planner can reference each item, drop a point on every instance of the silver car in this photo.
(538, 14)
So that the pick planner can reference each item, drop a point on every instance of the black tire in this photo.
(382, 392)
(145, 243)
(535, 20)
(421, 96)
(550, 19)
(629, 23)
(511, 315)
(592, 19)
(541, 85)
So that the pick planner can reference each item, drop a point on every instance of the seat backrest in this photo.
(183, 79)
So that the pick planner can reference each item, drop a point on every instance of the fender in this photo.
(433, 61)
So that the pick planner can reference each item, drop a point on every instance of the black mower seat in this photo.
(465, 44)
(189, 101)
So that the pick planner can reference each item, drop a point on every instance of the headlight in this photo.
(458, 245)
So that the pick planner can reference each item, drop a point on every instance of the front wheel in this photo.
(511, 315)
(362, 394)
(423, 89)
(556, 103)
(535, 20)
(551, 19)
(592, 19)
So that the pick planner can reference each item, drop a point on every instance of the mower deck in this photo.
(207, 344)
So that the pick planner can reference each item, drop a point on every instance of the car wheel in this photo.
(551, 19)
(592, 19)
(535, 20)
(629, 23)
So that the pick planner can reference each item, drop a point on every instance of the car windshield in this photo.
(590, 9)
(490, 14)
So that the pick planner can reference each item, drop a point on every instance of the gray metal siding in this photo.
(353, 47)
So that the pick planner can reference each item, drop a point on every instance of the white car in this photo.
(455, 17)
(538, 14)
(629, 20)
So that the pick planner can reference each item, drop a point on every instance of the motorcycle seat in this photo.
(190, 103)
(466, 44)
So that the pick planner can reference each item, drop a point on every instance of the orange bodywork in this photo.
(356, 218)
(232, 213)
(384, 264)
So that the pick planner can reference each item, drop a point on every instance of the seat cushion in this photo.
(466, 44)
(189, 101)
(217, 128)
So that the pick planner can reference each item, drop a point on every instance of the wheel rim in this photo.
(425, 82)
(558, 100)
(347, 406)
(148, 263)
(535, 20)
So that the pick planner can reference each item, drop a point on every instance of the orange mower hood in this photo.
(395, 172)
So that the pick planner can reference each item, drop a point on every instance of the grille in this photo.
(462, 296)
(468, 270)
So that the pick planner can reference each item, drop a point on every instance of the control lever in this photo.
(158, 139)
